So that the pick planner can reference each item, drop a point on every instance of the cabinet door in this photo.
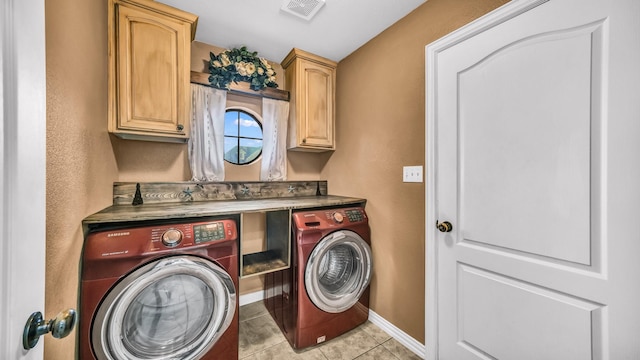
(316, 105)
(152, 74)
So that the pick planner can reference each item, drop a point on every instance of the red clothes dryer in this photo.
(325, 292)
(160, 291)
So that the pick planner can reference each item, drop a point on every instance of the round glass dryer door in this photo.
(338, 271)
(173, 308)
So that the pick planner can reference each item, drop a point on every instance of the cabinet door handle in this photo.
(180, 127)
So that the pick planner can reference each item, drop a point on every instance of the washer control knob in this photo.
(172, 237)
(337, 217)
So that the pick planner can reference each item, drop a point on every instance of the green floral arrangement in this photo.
(241, 65)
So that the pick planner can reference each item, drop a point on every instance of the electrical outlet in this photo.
(412, 174)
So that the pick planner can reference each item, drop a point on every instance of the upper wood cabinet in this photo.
(149, 70)
(311, 80)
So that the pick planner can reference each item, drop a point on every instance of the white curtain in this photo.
(275, 114)
(206, 144)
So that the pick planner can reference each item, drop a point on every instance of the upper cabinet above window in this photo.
(149, 70)
(311, 81)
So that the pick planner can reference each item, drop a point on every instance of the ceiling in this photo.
(339, 28)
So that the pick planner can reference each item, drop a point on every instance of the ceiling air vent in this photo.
(305, 9)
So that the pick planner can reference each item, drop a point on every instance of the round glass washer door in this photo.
(338, 271)
(172, 308)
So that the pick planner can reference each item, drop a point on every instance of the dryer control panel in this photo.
(333, 218)
(352, 215)
(355, 215)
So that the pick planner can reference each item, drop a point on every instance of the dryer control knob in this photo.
(171, 237)
(337, 217)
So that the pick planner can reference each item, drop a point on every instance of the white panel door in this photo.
(533, 126)
(22, 172)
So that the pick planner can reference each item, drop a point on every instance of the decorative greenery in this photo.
(241, 65)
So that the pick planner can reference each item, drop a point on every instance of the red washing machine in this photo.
(160, 291)
(325, 293)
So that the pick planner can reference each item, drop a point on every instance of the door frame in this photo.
(22, 171)
(432, 50)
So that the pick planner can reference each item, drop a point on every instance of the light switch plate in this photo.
(412, 174)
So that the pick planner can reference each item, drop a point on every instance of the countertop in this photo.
(161, 211)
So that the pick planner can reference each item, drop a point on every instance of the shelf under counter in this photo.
(274, 252)
(262, 262)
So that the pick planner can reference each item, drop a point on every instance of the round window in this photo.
(242, 137)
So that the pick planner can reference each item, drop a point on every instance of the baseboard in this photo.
(402, 337)
(251, 297)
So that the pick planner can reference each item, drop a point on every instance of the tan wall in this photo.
(81, 165)
(380, 128)
(83, 160)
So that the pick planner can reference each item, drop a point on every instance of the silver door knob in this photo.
(444, 226)
(36, 326)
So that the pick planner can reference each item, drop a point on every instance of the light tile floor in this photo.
(261, 339)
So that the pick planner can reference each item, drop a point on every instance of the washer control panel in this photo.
(172, 237)
(133, 241)
(177, 236)
(211, 231)
(337, 217)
